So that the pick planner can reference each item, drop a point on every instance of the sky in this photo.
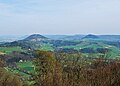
(59, 17)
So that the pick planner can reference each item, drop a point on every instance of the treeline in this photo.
(61, 69)
(83, 50)
(14, 57)
(66, 69)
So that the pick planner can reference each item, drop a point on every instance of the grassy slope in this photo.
(114, 50)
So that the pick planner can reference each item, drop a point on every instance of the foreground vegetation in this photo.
(60, 69)
(73, 70)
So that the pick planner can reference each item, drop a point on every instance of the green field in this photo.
(46, 47)
(28, 66)
(114, 51)
(9, 50)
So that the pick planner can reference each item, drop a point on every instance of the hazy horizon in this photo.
(28, 34)
(64, 17)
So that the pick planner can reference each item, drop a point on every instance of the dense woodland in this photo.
(63, 69)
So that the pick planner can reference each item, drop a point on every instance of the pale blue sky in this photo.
(59, 16)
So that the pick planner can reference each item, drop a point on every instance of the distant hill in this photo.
(90, 36)
(73, 37)
(11, 38)
(83, 43)
(56, 37)
(35, 37)
(93, 37)
(110, 37)
(32, 41)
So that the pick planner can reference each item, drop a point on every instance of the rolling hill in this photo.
(35, 38)
(81, 43)
(90, 36)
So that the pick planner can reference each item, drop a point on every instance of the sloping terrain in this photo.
(35, 38)
(88, 44)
